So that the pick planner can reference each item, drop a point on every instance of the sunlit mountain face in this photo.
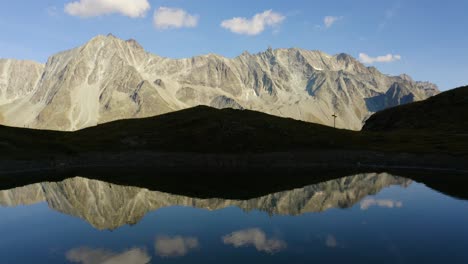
(92, 221)
(109, 79)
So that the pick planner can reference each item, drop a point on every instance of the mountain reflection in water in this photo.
(110, 206)
(364, 218)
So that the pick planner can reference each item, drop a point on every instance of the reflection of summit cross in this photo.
(334, 119)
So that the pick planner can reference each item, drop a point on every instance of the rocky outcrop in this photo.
(109, 206)
(222, 101)
(108, 79)
(18, 79)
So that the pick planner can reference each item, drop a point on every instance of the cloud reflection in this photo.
(367, 203)
(331, 241)
(175, 246)
(86, 255)
(256, 238)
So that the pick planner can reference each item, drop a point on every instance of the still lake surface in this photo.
(364, 218)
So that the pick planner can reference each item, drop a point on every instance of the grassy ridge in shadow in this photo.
(207, 130)
(446, 113)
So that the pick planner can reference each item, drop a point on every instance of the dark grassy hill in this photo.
(446, 113)
(207, 130)
(200, 129)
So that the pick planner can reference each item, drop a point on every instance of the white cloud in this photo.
(166, 18)
(364, 58)
(92, 8)
(328, 21)
(255, 25)
(101, 256)
(255, 237)
(175, 246)
(367, 203)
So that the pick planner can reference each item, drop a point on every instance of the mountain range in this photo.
(109, 79)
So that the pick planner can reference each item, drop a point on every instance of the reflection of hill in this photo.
(109, 206)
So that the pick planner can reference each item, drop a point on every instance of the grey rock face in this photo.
(18, 79)
(222, 101)
(109, 206)
(108, 79)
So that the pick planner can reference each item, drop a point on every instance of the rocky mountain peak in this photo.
(406, 77)
(345, 57)
(245, 54)
(99, 39)
(133, 43)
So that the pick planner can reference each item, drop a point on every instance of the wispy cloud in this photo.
(168, 18)
(255, 25)
(52, 11)
(389, 15)
(328, 21)
(175, 246)
(364, 58)
(254, 237)
(92, 8)
(367, 203)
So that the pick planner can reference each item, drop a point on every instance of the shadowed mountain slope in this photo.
(443, 113)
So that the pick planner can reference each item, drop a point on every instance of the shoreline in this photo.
(237, 176)
(183, 162)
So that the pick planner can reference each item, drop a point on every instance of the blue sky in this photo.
(426, 39)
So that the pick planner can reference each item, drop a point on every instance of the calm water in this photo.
(366, 218)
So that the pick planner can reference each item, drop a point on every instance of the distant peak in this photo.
(345, 57)
(100, 38)
(406, 77)
(111, 39)
(245, 53)
(109, 36)
(134, 43)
